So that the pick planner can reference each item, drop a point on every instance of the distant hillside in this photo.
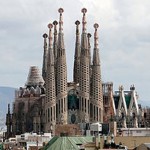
(7, 95)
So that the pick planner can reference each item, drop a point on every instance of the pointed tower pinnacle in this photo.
(50, 26)
(55, 23)
(84, 44)
(60, 45)
(50, 106)
(84, 10)
(50, 47)
(96, 26)
(76, 73)
(96, 60)
(60, 10)
(44, 57)
(97, 96)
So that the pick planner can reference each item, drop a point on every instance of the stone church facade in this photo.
(49, 101)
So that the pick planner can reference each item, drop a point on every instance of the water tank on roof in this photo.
(96, 127)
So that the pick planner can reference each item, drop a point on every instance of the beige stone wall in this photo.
(69, 129)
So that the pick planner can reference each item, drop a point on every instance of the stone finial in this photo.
(77, 22)
(60, 10)
(55, 23)
(45, 38)
(84, 10)
(96, 35)
(45, 35)
(96, 26)
(50, 26)
(77, 26)
(89, 35)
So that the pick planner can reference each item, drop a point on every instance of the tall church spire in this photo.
(60, 46)
(44, 57)
(84, 100)
(50, 107)
(55, 43)
(76, 73)
(61, 75)
(97, 97)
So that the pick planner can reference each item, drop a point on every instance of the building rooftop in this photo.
(64, 143)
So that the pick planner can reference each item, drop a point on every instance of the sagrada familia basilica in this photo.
(48, 102)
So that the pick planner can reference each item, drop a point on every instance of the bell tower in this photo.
(61, 73)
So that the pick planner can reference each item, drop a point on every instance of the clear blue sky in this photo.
(124, 37)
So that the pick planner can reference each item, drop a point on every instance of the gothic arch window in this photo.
(56, 110)
(88, 107)
(97, 113)
(51, 114)
(82, 103)
(91, 110)
(48, 115)
(59, 106)
(85, 104)
(94, 112)
(64, 104)
(100, 113)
